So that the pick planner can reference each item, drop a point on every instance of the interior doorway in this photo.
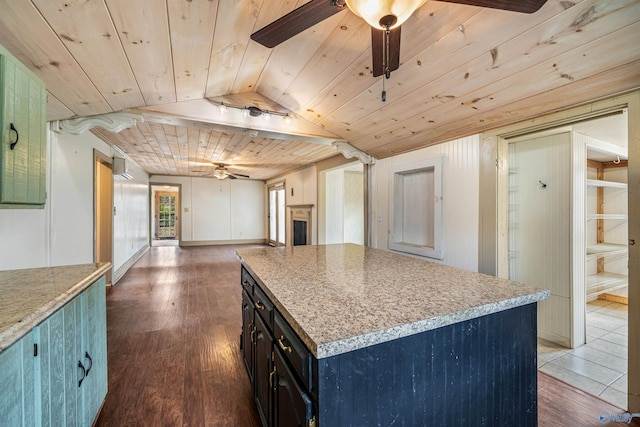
(277, 215)
(103, 210)
(568, 232)
(341, 204)
(165, 215)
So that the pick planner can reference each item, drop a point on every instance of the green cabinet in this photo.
(56, 375)
(22, 135)
(73, 351)
(17, 376)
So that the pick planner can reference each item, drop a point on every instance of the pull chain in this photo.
(383, 96)
(385, 62)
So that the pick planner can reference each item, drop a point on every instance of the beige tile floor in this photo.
(600, 366)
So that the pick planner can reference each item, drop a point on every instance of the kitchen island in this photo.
(347, 335)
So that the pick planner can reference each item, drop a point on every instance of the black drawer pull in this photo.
(86, 355)
(246, 283)
(259, 305)
(13, 129)
(84, 373)
(282, 345)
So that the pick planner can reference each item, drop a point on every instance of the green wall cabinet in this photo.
(17, 376)
(23, 118)
(57, 374)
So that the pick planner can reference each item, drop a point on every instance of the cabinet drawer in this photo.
(293, 350)
(248, 283)
(263, 306)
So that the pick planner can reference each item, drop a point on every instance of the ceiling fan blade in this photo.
(238, 175)
(295, 22)
(378, 50)
(523, 6)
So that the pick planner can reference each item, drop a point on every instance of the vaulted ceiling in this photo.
(463, 70)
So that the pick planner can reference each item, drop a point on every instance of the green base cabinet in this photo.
(73, 352)
(17, 376)
(23, 118)
(56, 375)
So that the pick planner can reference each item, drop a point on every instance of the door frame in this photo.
(101, 158)
(278, 186)
(156, 205)
(493, 168)
(152, 210)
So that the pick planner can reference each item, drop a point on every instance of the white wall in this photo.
(304, 183)
(63, 232)
(461, 199)
(217, 211)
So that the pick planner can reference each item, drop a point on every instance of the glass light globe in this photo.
(377, 13)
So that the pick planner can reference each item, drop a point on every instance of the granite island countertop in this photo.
(340, 298)
(30, 295)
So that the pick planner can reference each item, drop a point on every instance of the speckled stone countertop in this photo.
(340, 298)
(29, 296)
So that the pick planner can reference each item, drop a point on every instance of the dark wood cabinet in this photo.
(246, 339)
(293, 407)
(278, 363)
(263, 378)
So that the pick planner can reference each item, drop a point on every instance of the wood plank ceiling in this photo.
(463, 70)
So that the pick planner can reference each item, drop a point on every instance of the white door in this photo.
(276, 215)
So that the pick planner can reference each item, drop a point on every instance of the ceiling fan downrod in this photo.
(386, 21)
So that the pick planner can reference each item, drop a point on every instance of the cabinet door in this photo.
(248, 314)
(263, 365)
(23, 122)
(17, 400)
(292, 404)
(58, 343)
(93, 352)
(73, 360)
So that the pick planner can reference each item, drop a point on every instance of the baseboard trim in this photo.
(558, 339)
(117, 274)
(223, 242)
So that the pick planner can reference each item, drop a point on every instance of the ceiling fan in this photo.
(384, 16)
(221, 172)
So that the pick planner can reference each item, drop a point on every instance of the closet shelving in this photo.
(606, 251)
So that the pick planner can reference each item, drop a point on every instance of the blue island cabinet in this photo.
(57, 374)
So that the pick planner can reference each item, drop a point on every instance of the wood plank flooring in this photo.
(173, 328)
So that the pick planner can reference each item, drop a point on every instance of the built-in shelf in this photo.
(602, 183)
(605, 282)
(606, 216)
(606, 249)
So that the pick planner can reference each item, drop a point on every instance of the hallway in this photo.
(173, 330)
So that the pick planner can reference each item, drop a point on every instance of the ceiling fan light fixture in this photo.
(245, 113)
(287, 119)
(380, 13)
(220, 173)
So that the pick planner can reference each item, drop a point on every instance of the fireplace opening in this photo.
(299, 232)
(300, 225)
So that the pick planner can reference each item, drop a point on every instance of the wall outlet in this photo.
(380, 217)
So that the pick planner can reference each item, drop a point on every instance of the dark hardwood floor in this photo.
(173, 331)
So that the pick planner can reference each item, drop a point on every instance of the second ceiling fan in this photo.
(384, 16)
